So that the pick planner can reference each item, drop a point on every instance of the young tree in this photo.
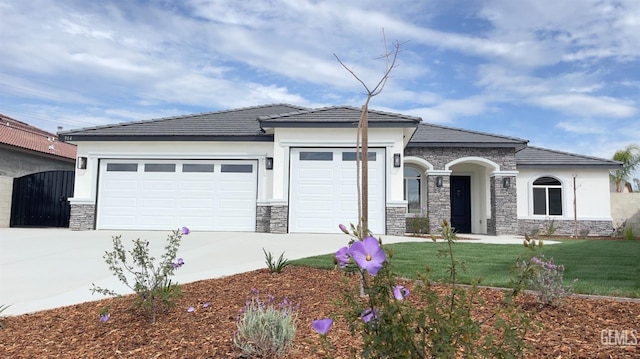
(362, 136)
(630, 158)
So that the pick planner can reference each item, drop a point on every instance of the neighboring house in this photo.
(283, 168)
(26, 150)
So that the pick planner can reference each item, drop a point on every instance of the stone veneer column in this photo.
(396, 222)
(279, 219)
(82, 217)
(504, 206)
(263, 218)
(438, 199)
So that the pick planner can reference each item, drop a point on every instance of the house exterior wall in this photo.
(6, 189)
(391, 139)
(86, 183)
(592, 196)
(493, 210)
(625, 207)
(17, 163)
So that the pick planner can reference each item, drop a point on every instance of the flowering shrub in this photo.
(431, 326)
(543, 276)
(418, 224)
(265, 329)
(155, 291)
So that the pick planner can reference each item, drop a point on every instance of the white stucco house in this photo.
(288, 169)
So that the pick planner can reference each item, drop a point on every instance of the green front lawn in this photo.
(601, 267)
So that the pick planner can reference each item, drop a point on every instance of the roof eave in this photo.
(573, 165)
(92, 138)
(517, 146)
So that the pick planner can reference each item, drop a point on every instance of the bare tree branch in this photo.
(362, 149)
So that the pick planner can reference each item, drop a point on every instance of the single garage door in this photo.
(162, 195)
(324, 194)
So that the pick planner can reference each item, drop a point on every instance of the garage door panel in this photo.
(197, 194)
(324, 194)
(156, 220)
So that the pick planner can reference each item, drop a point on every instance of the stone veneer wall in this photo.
(279, 219)
(396, 222)
(440, 156)
(439, 201)
(6, 190)
(263, 219)
(504, 207)
(565, 227)
(82, 217)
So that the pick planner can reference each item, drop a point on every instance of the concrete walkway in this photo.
(48, 268)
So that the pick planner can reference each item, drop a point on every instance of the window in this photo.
(197, 167)
(159, 167)
(351, 156)
(316, 156)
(122, 167)
(547, 197)
(412, 193)
(236, 168)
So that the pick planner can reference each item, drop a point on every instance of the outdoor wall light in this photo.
(506, 182)
(396, 160)
(81, 163)
(268, 163)
(439, 181)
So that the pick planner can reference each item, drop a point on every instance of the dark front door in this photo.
(461, 203)
(40, 199)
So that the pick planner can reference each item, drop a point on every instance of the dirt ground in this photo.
(580, 328)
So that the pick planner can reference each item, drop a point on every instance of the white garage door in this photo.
(324, 194)
(163, 195)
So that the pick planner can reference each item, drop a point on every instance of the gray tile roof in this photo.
(429, 135)
(532, 157)
(231, 124)
(337, 116)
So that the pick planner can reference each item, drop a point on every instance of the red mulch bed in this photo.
(570, 331)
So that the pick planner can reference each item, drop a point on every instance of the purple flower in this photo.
(322, 326)
(400, 292)
(185, 230)
(206, 305)
(179, 264)
(104, 317)
(368, 254)
(368, 314)
(343, 228)
(342, 256)
(191, 309)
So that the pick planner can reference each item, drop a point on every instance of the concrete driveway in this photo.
(48, 268)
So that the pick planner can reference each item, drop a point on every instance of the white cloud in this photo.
(588, 106)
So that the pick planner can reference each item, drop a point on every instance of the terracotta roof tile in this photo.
(19, 134)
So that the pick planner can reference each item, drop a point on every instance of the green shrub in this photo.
(265, 329)
(154, 289)
(628, 233)
(437, 326)
(273, 265)
(419, 224)
(2, 309)
(545, 278)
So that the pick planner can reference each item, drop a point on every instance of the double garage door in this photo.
(324, 194)
(216, 195)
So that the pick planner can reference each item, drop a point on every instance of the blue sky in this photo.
(563, 74)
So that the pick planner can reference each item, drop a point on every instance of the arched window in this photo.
(547, 196)
(412, 190)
